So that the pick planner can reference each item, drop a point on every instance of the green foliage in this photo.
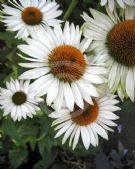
(17, 157)
(9, 128)
(45, 162)
(18, 139)
(127, 106)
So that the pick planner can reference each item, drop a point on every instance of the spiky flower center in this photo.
(86, 116)
(32, 16)
(121, 43)
(67, 63)
(19, 98)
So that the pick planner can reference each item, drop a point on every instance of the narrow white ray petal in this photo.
(60, 120)
(69, 97)
(130, 88)
(95, 135)
(85, 44)
(72, 135)
(109, 102)
(68, 133)
(59, 99)
(63, 130)
(109, 108)
(102, 19)
(85, 137)
(73, 34)
(107, 122)
(99, 130)
(60, 126)
(52, 92)
(108, 115)
(121, 3)
(34, 73)
(92, 137)
(67, 33)
(104, 126)
(96, 70)
(33, 65)
(88, 88)
(103, 2)
(93, 78)
(111, 5)
(129, 13)
(77, 96)
(76, 138)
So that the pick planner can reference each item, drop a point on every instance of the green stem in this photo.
(70, 9)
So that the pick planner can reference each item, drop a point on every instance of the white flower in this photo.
(30, 16)
(19, 100)
(94, 120)
(114, 41)
(122, 3)
(60, 67)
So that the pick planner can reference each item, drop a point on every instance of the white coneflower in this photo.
(94, 120)
(29, 16)
(121, 3)
(19, 100)
(114, 40)
(60, 67)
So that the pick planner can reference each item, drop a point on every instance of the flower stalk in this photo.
(70, 9)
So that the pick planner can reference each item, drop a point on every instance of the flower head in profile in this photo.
(114, 41)
(121, 3)
(30, 16)
(87, 124)
(61, 68)
(19, 100)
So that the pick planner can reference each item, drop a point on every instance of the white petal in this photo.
(92, 137)
(34, 73)
(130, 84)
(69, 97)
(63, 130)
(77, 96)
(99, 130)
(68, 132)
(88, 88)
(76, 138)
(59, 99)
(85, 137)
(52, 92)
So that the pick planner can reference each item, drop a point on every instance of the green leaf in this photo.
(127, 106)
(45, 145)
(82, 152)
(9, 39)
(39, 165)
(9, 129)
(17, 157)
(46, 162)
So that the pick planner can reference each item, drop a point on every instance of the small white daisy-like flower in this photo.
(60, 67)
(121, 3)
(29, 16)
(94, 120)
(114, 41)
(19, 100)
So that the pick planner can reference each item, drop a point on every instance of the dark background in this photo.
(30, 145)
